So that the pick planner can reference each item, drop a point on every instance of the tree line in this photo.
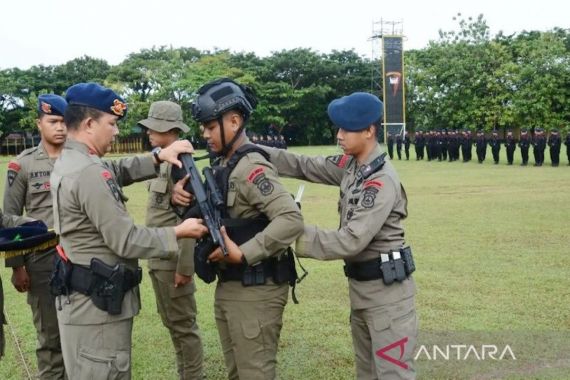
(465, 79)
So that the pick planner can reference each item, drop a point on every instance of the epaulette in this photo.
(26, 152)
(377, 164)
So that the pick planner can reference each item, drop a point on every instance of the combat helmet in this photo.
(222, 95)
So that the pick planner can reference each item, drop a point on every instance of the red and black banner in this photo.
(393, 70)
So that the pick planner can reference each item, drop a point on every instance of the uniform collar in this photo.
(76, 145)
(354, 166)
(373, 154)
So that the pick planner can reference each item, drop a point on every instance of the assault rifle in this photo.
(208, 207)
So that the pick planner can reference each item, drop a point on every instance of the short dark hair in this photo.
(75, 114)
(378, 125)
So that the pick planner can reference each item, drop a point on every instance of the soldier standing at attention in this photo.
(430, 141)
(252, 291)
(399, 145)
(407, 143)
(98, 238)
(511, 145)
(524, 144)
(282, 142)
(172, 279)
(467, 146)
(419, 143)
(554, 142)
(390, 144)
(539, 146)
(567, 143)
(370, 239)
(452, 145)
(27, 189)
(443, 145)
(465, 142)
(495, 144)
(481, 146)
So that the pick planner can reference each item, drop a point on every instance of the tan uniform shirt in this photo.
(92, 221)
(254, 189)
(370, 209)
(159, 213)
(8, 221)
(28, 188)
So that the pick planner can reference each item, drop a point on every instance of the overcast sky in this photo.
(48, 32)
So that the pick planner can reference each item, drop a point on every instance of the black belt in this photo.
(83, 280)
(279, 269)
(237, 272)
(386, 267)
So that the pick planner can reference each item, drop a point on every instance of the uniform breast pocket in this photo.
(39, 194)
(160, 197)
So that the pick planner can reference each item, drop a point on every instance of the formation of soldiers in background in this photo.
(443, 145)
(273, 141)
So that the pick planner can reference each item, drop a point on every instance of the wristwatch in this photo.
(155, 152)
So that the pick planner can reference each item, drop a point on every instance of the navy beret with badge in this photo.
(51, 104)
(356, 111)
(93, 95)
(26, 238)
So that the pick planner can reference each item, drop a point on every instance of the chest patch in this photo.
(41, 185)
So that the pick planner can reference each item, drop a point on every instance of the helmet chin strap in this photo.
(228, 147)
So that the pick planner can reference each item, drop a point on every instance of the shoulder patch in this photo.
(254, 174)
(369, 196)
(258, 178)
(13, 165)
(108, 177)
(13, 169)
(339, 160)
(375, 183)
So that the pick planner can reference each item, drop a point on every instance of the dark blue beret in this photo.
(94, 95)
(356, 111)
(50, 104)
(524, 130)
(25, 237)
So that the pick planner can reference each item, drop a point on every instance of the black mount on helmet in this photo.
(220, 96)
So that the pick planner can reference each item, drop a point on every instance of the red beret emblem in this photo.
(118, 107)
(46, 107)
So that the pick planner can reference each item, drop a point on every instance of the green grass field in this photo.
(492, 247)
